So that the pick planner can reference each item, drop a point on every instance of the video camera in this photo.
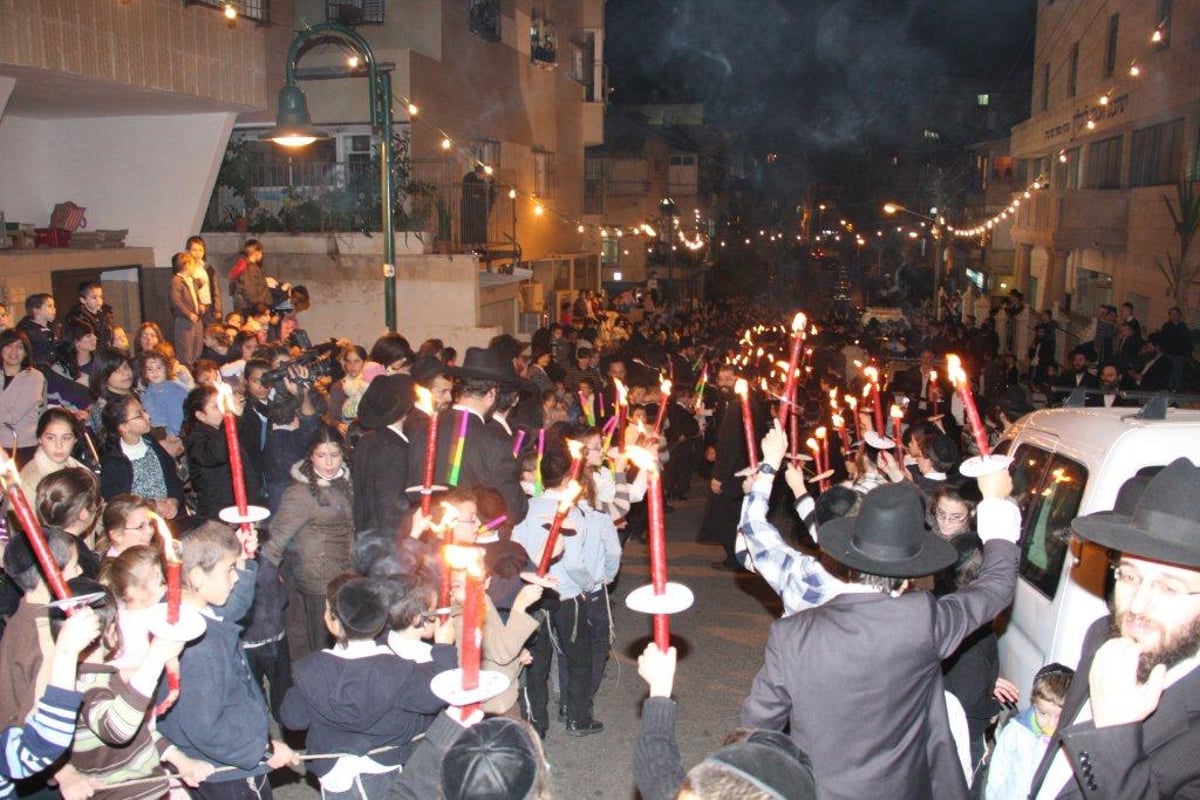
(318, 361)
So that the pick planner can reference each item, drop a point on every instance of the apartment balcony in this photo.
(1073, 220)
(312, 196)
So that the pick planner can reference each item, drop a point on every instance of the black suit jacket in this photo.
(380, 473)
(1158, 757)
(487, 459)
(1157, 376)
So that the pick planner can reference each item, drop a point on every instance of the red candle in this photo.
(664, 389)
(794, 436)
(622, 413)
(236, 472)
(932, 389)
(793, 375)
(852, 404)
(21, 509)
(658, 541)
(578, 453)
(174, 564)
(425, 403)
(897, 414)
(839, 425)
(470, 561)
(872, 375)
(560, 516)
(820, 433)
(446, 529)
(743, 391)
(959, 378)
(816, 451)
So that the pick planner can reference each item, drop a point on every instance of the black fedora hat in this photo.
(888, 536)
(484, 364)
(387, 399)
(1165, 524)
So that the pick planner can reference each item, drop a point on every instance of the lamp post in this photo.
(294, 129)
(938, 247)
(669, 212)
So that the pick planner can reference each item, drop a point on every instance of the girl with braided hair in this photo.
(311, 536)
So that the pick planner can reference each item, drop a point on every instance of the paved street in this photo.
(720, 642)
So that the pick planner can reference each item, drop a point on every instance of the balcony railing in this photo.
(344, 196)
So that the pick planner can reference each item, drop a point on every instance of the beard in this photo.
(1174, 647)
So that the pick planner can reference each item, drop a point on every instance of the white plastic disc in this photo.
(977, 466)
(421, 489)
(878, 442)
(674, 599)
(191, 624)
(253, 514)
(448, 686)
(823, 476)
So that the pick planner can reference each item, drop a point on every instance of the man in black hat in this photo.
(1129, 725)
(859, 678)
(486, 459)
(380, 468)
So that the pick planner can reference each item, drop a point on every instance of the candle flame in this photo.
(465, 558)
(424, 400)
(622, 392)
(933, 376)
(820, 432)
(569, 497)
(8, 469)
(954, 370)
(449, 517)
(665, 388)
(782, 365)
(871, 374)
(838, 422)
(741, 388)
(896, 412)
(170, 546)
(852, 401)
(799, 322)
(576, 448)
(866, 392)
(858, 364)
(763, 384)
(812, 444)
(643, 458)
(224, 397)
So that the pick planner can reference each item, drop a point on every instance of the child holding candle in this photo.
(357, 696)
(208, 453)
(113, 742)
(590, 559)
(221, 717)
(70, 499)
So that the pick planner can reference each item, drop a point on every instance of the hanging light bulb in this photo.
(1158, 37)
(1134, 69)
(1103, 99)
(1091, 124)
(446, 143)
(231, 12)
(538, 209)
(487, 169)
(579, 229)
(413, 109)
(512, 194)
(1062, 156)
(352, 62)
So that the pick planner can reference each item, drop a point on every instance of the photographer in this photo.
(293, 417)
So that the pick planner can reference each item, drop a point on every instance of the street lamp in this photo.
(938, 245)
(669, 212)
(294, 128)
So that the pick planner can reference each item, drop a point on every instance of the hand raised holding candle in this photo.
(774, 446)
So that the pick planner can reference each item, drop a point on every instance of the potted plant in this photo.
(235, 178)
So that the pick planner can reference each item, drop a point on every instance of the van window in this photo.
(1049, 488)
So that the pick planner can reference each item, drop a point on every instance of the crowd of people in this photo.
(329, 620)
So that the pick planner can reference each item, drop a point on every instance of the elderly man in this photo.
(1129, 722)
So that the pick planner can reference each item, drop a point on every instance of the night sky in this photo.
(811, 75)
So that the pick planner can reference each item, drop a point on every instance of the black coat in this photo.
(487, 459)
(116, 472)
(380, 476)
(208, 464)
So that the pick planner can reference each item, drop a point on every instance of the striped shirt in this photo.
(26, 751)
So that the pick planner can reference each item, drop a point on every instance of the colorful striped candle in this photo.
(538, 488)
(460, 443)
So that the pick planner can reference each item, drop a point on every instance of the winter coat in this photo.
(208, 464)
(316, 535)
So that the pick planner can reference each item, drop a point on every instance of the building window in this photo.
(1067, 172)
(610, 253)
(1044, 102)
(255, 10)
(355, 12)
(1073, 71)
(543, 44)
(1157, 154)
(1104, 164)
(983, 99)
(485, 19)
(1110, 53)
(486, 152)
(543, 174)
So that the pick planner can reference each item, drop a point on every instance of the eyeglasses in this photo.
(147, 525)
(140, 415)
(1166, 588)
(956, 519)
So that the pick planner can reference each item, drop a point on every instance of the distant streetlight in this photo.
(294, 128)
(938, 248)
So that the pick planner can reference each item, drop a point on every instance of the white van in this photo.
(1068, 462)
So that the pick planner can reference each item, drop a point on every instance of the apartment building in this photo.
(1114, 122)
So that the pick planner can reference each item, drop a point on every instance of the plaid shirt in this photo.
(799, 580)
